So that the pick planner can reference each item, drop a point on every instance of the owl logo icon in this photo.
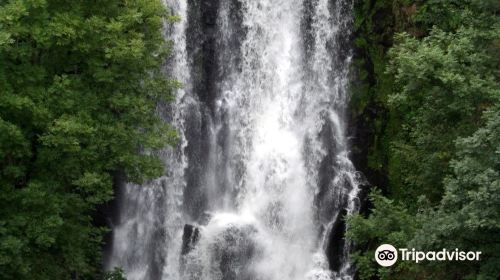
(386, 255)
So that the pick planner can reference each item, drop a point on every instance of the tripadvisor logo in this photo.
(387, 255)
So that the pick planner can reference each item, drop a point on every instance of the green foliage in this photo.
(469, 214)
(444, 81)
(374, 25)
(467, 217)
(79, 83)
(388, 223)
(116, 274)
(443, 160)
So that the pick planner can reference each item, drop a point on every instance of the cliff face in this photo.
(372, 123)
(262, 122)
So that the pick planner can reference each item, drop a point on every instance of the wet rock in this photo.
(228, 253)
(336, 242)
(190, 238)
(233, 251)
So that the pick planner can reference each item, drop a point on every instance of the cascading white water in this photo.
(150, 215)
(261, 177)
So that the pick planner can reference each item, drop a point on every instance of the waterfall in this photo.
(261, 180)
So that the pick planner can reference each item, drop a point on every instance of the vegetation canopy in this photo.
(441, 144)
(79, 83)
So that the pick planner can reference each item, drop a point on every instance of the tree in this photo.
(444, 82)
(445, 151)
(79, 83)
(469, 214)
(389, 222)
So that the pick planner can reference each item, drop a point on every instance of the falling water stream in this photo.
(260, 181)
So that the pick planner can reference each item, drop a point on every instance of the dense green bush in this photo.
(79, 82)
(442, 163)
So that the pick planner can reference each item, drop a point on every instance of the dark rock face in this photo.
(201, 42)
(197, 132)
(368, 116)
(234, 251)
(362, 133)
(329, 200)
(336, 242)
(213, 56)
(190, 238)
(231, 252)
